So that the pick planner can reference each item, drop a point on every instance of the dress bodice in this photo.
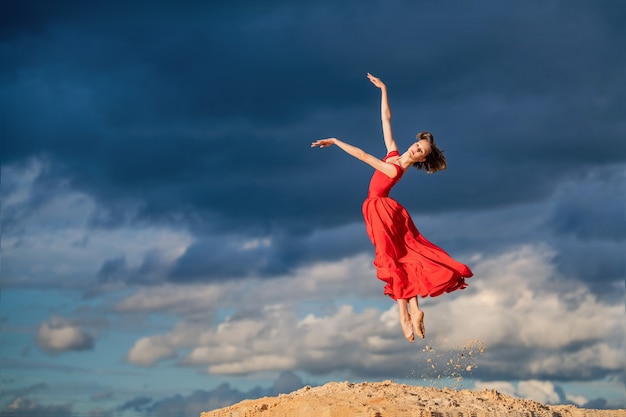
(381, 184)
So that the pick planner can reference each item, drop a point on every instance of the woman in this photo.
(407, 262)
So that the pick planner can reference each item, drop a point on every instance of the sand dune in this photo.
(388, 399)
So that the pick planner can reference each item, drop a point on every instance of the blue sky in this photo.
(171, 244)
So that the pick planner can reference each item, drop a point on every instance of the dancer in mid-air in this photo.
(405, 260)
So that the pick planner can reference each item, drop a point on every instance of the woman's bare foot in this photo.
(418, 323)
(407, 329)
(405, 319)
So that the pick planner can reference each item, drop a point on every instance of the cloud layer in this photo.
(561, 332)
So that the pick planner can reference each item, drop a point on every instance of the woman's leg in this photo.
(405, 320)
(417, 318)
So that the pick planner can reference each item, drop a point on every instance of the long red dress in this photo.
(405, 260)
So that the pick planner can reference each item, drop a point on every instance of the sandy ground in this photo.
(388, 399)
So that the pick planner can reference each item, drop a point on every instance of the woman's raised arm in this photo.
(385, 113)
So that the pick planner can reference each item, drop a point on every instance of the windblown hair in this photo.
(435, 161)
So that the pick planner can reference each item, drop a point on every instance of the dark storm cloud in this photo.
(25, 407)
(502, 359)
(592, 212)
(200, 400)
(232, 256)
(587, 225)
(112, 269)
(223, 396)
(597, 264)
(137, 404)
(152, 270)
(214, 259)
(201, 115)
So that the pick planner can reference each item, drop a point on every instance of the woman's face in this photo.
(419, 150)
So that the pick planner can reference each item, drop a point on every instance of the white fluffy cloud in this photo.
(515, 303)
(148, 350)
(520, 303)
(323, 281)
(58, 335)
(275, 339)
(541, 391)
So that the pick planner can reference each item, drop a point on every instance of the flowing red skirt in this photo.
(405, 260)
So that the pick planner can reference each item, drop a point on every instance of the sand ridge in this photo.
(389, 399)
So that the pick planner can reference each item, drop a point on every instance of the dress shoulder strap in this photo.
(399, 169)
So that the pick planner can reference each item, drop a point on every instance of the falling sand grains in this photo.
(444, 363)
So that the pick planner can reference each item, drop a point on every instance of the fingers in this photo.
(375, 80)
(322, 143)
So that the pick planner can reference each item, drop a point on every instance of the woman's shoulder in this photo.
(393, 158)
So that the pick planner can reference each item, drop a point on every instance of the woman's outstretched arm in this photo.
(385, 113)
(385, 167)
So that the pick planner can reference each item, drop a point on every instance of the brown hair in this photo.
(435, 160)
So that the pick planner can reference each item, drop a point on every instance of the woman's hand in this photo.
(323, 143)
(376, 81)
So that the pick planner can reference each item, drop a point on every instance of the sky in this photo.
(172, 244)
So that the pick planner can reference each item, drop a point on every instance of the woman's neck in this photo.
(405, 160)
